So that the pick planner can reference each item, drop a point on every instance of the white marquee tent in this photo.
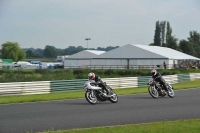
(138, 56)
(81, 59)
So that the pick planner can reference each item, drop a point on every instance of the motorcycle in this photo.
(155, 89)
(94, 93)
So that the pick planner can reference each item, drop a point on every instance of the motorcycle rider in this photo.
(158, 78)
(97, 81)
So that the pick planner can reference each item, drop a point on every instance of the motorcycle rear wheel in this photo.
(171, 92)
(113, 98)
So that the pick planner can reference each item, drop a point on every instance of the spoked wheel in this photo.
(170, 92)
(153, 92)
(113, 98)
(90, 97)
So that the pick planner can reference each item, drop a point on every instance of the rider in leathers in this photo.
(158, 78)
(98, 81)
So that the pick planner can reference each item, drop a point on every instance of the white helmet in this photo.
(91, 76)
(153, 72)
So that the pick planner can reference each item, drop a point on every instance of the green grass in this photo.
(81, 94)
(179, 126)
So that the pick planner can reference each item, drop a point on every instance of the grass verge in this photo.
(81, 94)
(179, 126)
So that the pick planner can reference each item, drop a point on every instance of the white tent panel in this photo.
(77, 63)
(71, 63)
(166, 52)
(86, 54)
(123, 62)
(170, 64)
(116, 62)
(84, 63)
(144, 62)
(98, 61)
(137, 51)
(132, 62)
(129, 51)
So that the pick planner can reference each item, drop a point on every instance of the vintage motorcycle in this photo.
(155, 89)
(95, 93)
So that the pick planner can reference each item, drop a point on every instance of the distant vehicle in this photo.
(39, 63)
(59, 62)
(25, 64)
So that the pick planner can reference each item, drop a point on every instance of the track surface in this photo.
(68, 114)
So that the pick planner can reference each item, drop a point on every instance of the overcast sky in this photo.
(64, 23)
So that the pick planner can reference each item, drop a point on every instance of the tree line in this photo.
(52, 52)
(11, 50)
(163, 37)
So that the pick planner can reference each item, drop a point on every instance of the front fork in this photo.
(92, 93)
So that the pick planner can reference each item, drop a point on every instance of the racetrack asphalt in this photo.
(78, 113)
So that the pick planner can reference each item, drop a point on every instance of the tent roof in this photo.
(86, 54)
(96, 52)
(137, 51)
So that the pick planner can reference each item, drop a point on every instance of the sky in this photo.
(64, 23)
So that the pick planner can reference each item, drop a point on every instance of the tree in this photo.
(172, 42)
(168, 34)
(30, 53)
(11, 50)
(157, 35)
(50, 52)
(162, 32)
(194, 39)
(39, 52)
(151, 44)
(194, 36)
(187, 47)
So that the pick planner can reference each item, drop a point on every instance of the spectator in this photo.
(164, 64)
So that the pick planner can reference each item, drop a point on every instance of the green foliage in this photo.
(162, 32)
(50, 52)
(172, 42)
(187, 47)
(168, 34)
(178, 126)
(30, 53)
(157, 41)
(69, 74)
(11, 50)
(194, 40)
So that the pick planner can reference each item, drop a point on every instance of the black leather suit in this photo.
(100, 83)
(159, 78)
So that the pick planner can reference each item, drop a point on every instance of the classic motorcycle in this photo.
(155, 89)
(94, 93)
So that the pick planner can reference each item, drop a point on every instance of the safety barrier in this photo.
(41, 87)
(24, 88)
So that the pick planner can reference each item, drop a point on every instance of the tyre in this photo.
(171, 92)
(90, 97)
(153, 91)
(113, 98)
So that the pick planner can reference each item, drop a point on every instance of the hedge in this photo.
(68, 74)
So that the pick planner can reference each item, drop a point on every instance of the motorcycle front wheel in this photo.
(170, 92)
(153, 91)
(90, 97)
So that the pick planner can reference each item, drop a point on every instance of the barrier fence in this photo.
(42, 87)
